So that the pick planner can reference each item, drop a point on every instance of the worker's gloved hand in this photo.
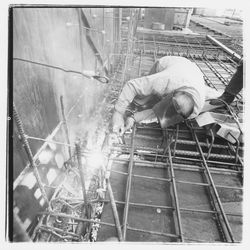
(118, 123)
(129, 123)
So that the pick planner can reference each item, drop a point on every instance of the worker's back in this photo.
(174, 72)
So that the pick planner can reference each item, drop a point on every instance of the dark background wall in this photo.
(78, 39)
(58, 37)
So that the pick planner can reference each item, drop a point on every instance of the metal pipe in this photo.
(128, 185)
(214, 188)
(225, 48)
(29, 154)
(115, 213)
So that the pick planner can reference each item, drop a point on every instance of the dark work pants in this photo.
(236, 83)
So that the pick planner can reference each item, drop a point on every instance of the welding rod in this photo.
(29, 153)
(115, 213)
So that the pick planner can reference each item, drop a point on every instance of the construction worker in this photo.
(173, 91)
(233, 88)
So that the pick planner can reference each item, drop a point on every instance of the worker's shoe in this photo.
(226, 97)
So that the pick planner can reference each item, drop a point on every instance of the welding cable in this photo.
(231, 112)
(102, 79)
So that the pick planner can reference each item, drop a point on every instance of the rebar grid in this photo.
(217, 198)
(224, 65)
(180, 46)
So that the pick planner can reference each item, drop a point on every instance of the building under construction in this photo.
(70, 179)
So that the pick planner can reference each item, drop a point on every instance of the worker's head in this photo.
(174, 108)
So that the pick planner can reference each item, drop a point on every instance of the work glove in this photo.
(118, 123)
(129, 123)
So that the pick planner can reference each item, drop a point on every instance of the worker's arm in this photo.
(137, 87)
(147, 114)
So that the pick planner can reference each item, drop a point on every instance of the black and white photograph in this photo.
(125, 124)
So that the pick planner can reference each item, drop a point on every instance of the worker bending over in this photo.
(173, 91)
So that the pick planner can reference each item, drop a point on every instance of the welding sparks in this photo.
(95, 160)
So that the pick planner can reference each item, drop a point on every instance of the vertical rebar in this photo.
(29, 153)
(212, 143)
(103, 28)
(155, 58)
(81, 228)
(140, 61)
(176, 201)
(210, 179)
(81, 170)
(65, 125)
(176, 138)
(128, 186)
(115, 213)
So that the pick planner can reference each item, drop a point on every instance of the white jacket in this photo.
(172, 72)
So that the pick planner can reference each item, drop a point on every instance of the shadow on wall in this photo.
(28, 200)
